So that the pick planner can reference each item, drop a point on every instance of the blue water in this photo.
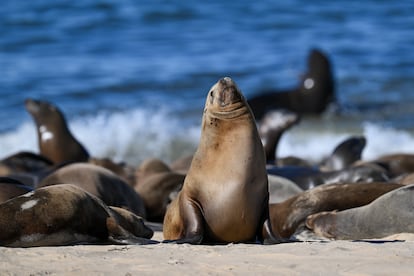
(132, 77)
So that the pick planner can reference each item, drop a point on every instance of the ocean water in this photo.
(132, 77)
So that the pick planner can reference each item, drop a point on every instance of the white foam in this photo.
(317, 144)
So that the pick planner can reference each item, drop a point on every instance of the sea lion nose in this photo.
(226, 80)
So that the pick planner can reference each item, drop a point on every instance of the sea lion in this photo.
(157, 191)
(225, 194)
(123, 170)
(10, 188)
(281, 188)
(65, 215)
(101, 183)
(345, 154)
(271, 128)
(389, 214)
(26, 167)
(396, 164)
(148, 167)
(308, 177)
(314, 94)
(55, 140)
(286, 216)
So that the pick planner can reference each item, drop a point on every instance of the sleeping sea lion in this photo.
(225, 194)
(100, 182)
(390, 214)
(286, 216)
(65, 215)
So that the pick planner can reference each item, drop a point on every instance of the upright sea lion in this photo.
(55, 140)
(225, 193)
(392, 213)
(271, 128)
(64, 215)
(345, 154)
(313, 95)
(286, 216)
(101, 183)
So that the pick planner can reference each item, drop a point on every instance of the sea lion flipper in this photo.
(192, 218)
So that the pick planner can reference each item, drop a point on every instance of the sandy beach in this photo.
(391, 256)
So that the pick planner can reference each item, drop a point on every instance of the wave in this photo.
(135, 135)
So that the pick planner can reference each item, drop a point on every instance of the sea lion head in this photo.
(43, 113)
(225, 100)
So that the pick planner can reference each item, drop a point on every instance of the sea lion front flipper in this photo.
(118, 235)
(192, 218)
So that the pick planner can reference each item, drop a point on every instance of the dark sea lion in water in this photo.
(314, 94)
(55, 140)
(286, 216)
(225, 193)
(345, 154)
(271, 127)
(10, 188)
(100, 182)
(392, 213)
(65, 215)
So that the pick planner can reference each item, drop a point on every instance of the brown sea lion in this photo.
(314, 94)
(286, 216)
(397, 163)
(148, 167)
(271, 128)
(100, 182)
(123, 170)
(156, 191)
(10, 188)
(64, 215)
(225, 193)
(55, 140)
(389, 214)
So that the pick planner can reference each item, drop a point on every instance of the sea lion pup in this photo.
(100, 182)
(10, 188)
(288, 215)
(64, 215)
(55, 140)
(313, 95)
(391, 213)
(345, 154)
(225, 193)
(272, 126)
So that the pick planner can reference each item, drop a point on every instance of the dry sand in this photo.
(381, 257)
